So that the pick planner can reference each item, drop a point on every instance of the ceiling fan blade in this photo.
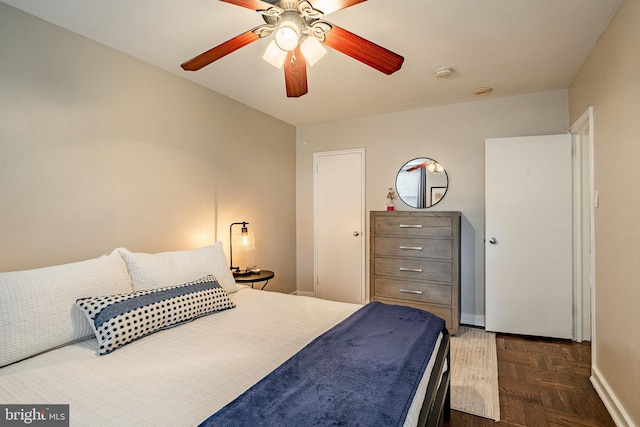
(329, 6)
(219, 51)
(250, 4)
(363, 50)
(295, 73)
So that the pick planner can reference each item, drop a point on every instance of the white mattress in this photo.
(180, 376)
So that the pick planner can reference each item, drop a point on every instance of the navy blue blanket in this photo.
(362, 372)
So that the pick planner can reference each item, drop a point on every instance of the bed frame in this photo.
(58, 288)
(437, 401)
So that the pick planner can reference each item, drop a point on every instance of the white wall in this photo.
(610, 82)
(99, 150)
(454, 135)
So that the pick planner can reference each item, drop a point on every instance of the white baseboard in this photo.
(616, 410)
(472, 319)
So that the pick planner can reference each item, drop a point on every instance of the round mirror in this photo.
(422, 182)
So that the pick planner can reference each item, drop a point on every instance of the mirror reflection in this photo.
(422, 182)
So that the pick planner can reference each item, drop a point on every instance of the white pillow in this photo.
(38, 310)
(151, 271)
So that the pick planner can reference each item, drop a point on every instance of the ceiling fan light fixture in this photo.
(292, 22)
(287, 36)
(312, 50)
(274, 55)
(435, 167)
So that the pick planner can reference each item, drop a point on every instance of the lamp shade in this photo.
(274, 55)
(244, 241)
(312, 50)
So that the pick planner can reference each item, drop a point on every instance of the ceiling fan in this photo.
(299, 33)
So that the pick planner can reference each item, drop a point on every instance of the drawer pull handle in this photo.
(413, 270)
(410, 225)
(411, 248)
(408, 291)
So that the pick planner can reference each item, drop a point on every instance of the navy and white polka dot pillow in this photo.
(119, 319)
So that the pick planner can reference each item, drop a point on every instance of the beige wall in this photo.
(610, 82)
(454, 135)
(99, 150)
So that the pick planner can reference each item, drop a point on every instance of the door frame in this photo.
(584, 283)
(363, 233)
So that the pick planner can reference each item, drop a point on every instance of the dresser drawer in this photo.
(413, 291)
(416, 248)
(413, 225)
(414, 269)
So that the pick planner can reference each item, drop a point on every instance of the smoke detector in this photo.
(480, 91)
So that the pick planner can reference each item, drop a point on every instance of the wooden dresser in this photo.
(415, 261)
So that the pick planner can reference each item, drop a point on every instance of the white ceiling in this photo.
(514, 46)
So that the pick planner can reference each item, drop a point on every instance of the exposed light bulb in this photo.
(312, 50)
(287, 36)
(245, 241)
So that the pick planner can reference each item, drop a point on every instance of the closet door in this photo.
(339, 223)
(528, 235)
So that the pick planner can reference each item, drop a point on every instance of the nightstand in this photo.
(262, 276)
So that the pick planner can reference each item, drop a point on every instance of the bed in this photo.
(185, 372)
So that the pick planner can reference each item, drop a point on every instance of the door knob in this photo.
(493, 241)
(356, 233)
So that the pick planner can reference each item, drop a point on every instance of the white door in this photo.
(339, 222)
(528, 235)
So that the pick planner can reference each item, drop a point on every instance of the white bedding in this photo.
(179, 376)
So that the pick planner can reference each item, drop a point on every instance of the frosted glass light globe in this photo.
(287, 36)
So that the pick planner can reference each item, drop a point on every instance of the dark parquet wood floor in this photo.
(542, 383)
